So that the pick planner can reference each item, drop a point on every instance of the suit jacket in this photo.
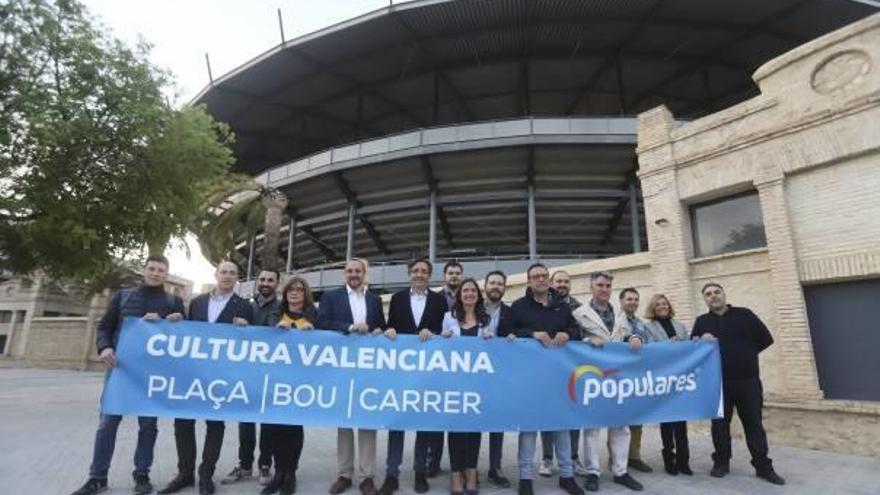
(236, 307)
(334, 312)
(400, 313)
(506, 323)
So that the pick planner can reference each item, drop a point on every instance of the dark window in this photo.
(2, 344)
(5, 316)
(846, 336)
(731, 224)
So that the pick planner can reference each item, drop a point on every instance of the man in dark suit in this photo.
(417, 310)
(221, 305)
(353, 310)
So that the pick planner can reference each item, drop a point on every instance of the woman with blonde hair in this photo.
(661, 327)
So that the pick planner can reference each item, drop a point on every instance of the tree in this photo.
(94, 162)
(239, 207)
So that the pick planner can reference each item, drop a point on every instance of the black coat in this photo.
(530, 316)
(236, 307)
(400, 313)
(506, 322)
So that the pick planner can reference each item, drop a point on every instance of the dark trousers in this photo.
(395, 453)
(285, 442)
(675, 443)
(247, 442)
(464, 450)
(185, 438)
(428, 450)
(748, 397)
(547, 440)
(496, 447)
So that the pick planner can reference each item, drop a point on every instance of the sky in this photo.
(231, 32)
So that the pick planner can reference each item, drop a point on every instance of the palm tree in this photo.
(239, 207)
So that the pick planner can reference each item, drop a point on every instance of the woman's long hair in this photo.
(308, 300)
(479, 308)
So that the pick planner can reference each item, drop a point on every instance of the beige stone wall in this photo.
(58, 342)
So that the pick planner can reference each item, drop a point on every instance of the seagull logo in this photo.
(579, 371)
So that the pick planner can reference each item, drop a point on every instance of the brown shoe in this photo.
(340, 485)
(367, 487)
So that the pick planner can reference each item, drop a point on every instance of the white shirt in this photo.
(216, 304)
(417, 301)
(357, 301)
(494, 319)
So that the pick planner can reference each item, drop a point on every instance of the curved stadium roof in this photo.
(442, 63)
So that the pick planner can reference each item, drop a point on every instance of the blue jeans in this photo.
(527, 441)
(105, 443)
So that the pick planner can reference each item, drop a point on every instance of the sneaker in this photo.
(178, 483)
(389, 486)
(497, 477)
(421, 483)
(640, 465)
(628, 481)
(525, 488)
(265, 475)
(771, 476)
(237, 474)
(579, 469)
(93, 485)
(546, 468)
(142, 485)
(720, 470)
(570, 486)
(592, 484)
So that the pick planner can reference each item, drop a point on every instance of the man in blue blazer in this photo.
(417, 310)
(221, 305)
(353, 310)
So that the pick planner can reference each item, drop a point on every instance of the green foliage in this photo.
(94, 162)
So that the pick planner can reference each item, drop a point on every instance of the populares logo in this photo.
(608, 384)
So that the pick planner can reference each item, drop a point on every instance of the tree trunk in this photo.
(276, 203)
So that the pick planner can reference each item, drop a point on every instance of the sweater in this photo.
(135, 303)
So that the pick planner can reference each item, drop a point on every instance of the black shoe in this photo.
(684, 469)
(640, 465)
(289, 485)
(142, 485)
(497, 477)
(389, 486)
(92, 486)
(720, 470)
(178, 483)
(592, 484)
(206, 486)
(771, 476)
(525, 488)
(628, 481)
(421, 484)
(570, 486)
(274, 485)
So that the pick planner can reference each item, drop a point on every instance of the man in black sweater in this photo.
(542, 315)
(151, 302)
(741, 336)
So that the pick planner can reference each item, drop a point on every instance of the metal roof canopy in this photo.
(438, 62)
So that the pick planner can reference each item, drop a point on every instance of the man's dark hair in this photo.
(711, 284)
(157, 258)
(534, 266)
(452, 264)
(627, 290)
(411, 264)
(276, 272)
(495, 272)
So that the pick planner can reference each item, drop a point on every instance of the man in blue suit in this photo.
(221, 305)
(353, 310)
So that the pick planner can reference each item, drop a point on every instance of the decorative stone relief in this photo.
(841, 72)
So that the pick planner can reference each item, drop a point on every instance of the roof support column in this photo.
(533, 228)
(349, 245)
(432, 229)
(250, 260)
(634, 217)
(291, 241)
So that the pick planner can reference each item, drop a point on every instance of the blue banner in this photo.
(268, 375)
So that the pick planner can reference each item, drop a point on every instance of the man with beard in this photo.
(501, 325)
(452, 276)
(353, 310)
(265, 302)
